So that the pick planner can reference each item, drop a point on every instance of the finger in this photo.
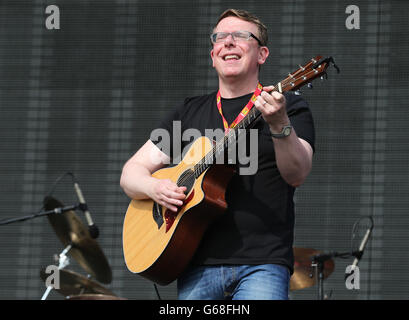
(182, 189)
(172, 201)
(180, 192)
(259, 104)
(170, 207)
(173, 194)
(278, 97)
(167, 205)
(264, 98)
(171, 186)
(176, 202)
(268, 88)
(267, 97)
(179, 195)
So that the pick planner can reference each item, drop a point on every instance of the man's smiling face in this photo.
(236, 58)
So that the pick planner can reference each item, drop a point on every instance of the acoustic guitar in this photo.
(158, 243)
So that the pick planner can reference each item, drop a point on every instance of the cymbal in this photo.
(72, 283)
(85, 250)
(302, 268)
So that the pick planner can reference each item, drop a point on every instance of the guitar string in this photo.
(201, 166)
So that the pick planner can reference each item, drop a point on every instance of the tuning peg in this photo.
(324, 76)
(297, 92)
(309, 85)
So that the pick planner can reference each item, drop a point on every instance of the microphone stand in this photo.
(40, 214)
(317, 262)
(63, 259)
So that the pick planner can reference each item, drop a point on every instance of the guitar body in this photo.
(158, 244)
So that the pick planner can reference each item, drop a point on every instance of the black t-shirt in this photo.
(258, 225)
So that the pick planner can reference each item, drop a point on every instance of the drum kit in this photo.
(78, 242)
(311, 267)
(81, 245)
(85, 250)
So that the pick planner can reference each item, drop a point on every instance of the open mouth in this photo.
(230, 57)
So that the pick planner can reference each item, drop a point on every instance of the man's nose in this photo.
(229, 41)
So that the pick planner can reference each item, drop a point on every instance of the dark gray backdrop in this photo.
(84, 98)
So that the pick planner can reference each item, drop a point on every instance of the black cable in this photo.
(355, 226)
(50, 192)
(54, 186)
(157, 291)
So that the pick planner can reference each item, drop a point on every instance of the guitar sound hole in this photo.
(186, 179)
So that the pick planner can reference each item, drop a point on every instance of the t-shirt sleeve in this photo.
(162, 134)
(301, 118)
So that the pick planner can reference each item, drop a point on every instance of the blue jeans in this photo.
(237, 282)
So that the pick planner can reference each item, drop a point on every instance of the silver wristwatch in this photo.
(284, 133)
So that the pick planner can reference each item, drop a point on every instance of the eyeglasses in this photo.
(237, 36)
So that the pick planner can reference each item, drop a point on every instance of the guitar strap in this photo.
(243, 112)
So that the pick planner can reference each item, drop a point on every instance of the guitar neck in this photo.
(230, 138)
(305, 74)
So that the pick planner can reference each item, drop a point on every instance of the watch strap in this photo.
(285, 132)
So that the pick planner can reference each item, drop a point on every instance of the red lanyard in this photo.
(243, 112)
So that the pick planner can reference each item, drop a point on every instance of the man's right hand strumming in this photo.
(166, 193)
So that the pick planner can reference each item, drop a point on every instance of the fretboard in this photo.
(224, 144)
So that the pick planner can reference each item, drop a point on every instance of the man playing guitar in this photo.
(246, 253)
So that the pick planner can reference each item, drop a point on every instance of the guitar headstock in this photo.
(315, 68)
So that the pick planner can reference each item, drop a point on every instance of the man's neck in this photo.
(236, 88)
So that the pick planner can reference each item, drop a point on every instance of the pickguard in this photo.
(170, 216)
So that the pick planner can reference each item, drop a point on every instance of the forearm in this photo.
(294, 159)
(293, 155)
(136, 181)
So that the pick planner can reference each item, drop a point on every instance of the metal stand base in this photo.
(63, 261)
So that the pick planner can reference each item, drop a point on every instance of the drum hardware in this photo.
(313, 267)
(63, 262)
(84, 249)
(323, 263)
(319, 262)
(303, 276)
(79, 242)
(39, 214)
(75, 284)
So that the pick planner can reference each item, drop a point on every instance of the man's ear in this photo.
(263, 54)
(211, 55)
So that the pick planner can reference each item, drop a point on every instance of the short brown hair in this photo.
(247, 16)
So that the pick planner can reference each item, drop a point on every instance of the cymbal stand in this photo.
(63, 261)
(319, 275)
(318, 261)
